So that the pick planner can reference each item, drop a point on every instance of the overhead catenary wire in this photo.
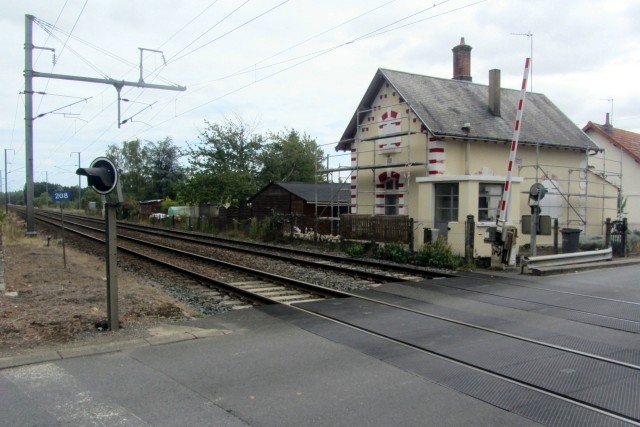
(49, 29)
(313, 55)
(289, 64)
(173, 58)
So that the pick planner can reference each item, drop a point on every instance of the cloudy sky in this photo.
(297, 64)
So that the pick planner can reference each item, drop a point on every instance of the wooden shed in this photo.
(148, 207)
(305, 203)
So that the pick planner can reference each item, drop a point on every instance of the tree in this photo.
(152, 171)
(224, 163)
(42, 200)
(130, 164)
(290, 157)
(89, 195)
(162, 169)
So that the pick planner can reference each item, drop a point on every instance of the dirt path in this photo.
(43, 304)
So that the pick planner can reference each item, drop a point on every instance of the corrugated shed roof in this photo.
(628, 141)
(444, 105)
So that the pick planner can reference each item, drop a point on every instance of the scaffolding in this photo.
(384, 155)
(578, 207)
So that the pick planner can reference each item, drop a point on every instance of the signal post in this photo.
(102, 176)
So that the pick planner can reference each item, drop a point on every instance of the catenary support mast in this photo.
(29, 74)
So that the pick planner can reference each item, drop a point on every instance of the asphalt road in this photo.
(253, 367)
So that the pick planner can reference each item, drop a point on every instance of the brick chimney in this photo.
(607, 124)
(462, 61)
(494, 92)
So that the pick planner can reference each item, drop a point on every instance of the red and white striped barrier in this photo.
(506, 195)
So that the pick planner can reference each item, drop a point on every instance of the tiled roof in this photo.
(624, 139)
(444, 105)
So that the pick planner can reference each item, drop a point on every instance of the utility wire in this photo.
(317, 54)
(322, 52)
(173, 58)
(187, 24)
(230, 31)
(82, 58)
(309, 56)
(72, 28)
(252, 68)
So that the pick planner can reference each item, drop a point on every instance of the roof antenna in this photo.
(610, 101)
(530, 35)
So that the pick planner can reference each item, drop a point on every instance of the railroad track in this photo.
(367, 270)
(550, 374)
(250, 285)
(541, 379)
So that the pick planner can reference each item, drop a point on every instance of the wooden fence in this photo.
(378, 228)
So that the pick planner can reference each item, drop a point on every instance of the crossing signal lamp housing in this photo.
(536, 193)
(102, 175)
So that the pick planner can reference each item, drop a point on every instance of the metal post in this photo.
(469, 235)
(607, 233)
(28, 118)
(555, 236)
(534, 230)
(64, 253)
(46, 186)
(623, 238)
(112, 267)
(79, 182)
(411, 236)
(6, 188)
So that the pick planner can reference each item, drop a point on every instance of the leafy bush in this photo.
(259, 229)
(437, 254)
(255, 230)
(394, 252)
(354, 249)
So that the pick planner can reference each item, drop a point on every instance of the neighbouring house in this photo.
(437, 149)
(619, 163)
(316, 206)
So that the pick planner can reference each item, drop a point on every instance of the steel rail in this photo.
(227, 243)
(538, 388)
(212, 241)
(307, 287)
(543, 390)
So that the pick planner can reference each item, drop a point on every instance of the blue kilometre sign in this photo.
(60, 196)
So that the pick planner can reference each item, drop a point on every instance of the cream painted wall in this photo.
(621, 169)
(468, 162)
(387, 118)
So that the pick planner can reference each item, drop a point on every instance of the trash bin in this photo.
(430, 235)
(570, 240)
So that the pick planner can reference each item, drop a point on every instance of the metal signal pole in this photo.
(6, 189)
(79, 182)
(29, 74)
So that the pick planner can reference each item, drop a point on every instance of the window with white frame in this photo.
(446, 202)
(489, 196)
(391, 199)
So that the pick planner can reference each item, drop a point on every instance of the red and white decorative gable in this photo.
(436, 156)
(390, 123)
(382, 191)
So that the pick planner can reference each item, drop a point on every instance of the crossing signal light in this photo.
(102, 175)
